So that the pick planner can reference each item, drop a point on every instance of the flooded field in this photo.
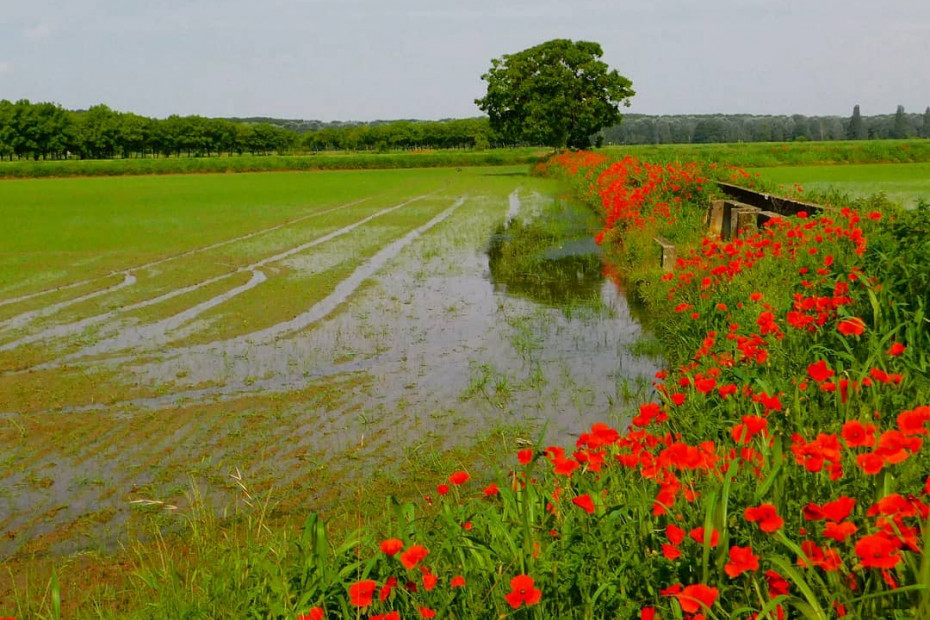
(338, 337)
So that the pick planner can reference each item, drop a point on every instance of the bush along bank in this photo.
(781, 471)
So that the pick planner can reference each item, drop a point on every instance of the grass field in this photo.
(902, 183)
(448, 158)
(767, 154)
(738, 154)
(320, 333)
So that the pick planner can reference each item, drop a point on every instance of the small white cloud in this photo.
(40, 31)
(5, 66)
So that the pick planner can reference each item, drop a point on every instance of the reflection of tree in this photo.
(531, 263)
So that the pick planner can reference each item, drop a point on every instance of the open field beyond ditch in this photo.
(902, 183)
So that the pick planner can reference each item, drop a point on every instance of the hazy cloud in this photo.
(371, 59)
(39, 31)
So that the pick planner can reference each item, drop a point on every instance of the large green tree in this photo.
(558, 94)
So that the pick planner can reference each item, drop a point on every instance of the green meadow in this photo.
(905, 184)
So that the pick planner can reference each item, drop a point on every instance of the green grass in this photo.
(275, 163)
(60, 230)
(759, 154)
(902, 183)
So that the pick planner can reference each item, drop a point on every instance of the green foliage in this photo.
(270, 163)
(557, 93)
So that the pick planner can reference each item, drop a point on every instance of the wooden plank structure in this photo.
(743, 212)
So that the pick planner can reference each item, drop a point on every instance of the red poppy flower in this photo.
(751, 426)
(584, 502)
(870, 463)
(894, 504)
(675, 534)
(819, 371)
(457, 582)
(837, 510)
(858, 435)
(391, 546)
(698, 534)
(459, 477)
(914, 422)
(851, 327)
(391, 615)
(823, 557)
(413, 556)
(766, 515)
(442, 489)
(426, 612)
(896, 349)
(778, 585)
(386, 589)
(491, 490)
(693, 598)
(742, 559)
(878, 551)
(564, 467)
(705, 385)
(648, 613)
(522, 592)
(525, 456)
(839, 531)
(315, 613)
(429, 581)
(361, 592)
(671, 552)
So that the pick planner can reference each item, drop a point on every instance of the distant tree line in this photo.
(48, 131)
(707, 128)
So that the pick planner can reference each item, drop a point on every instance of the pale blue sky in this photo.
(381, 59)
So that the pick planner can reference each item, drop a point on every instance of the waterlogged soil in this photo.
(327, 352)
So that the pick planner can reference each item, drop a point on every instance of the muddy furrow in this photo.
(206, 248)
(159, 333)
(69, 329)
(25, 318)
(348, 286)
(236, 346)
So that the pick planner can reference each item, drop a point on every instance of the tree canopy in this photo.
(558, 93)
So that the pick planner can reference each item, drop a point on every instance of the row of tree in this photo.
(46, 130)
(645, 129)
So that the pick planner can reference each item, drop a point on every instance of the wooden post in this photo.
(668, 253)
(742, 218)
(716, 218)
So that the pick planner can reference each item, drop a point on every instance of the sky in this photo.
(389, 59)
